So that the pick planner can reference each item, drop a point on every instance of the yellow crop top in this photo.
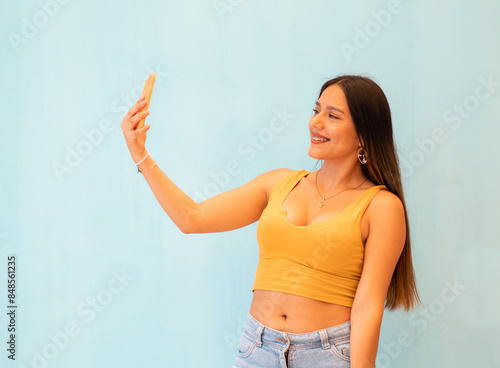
(322, 260)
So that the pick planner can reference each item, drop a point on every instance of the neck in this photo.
(334, 176)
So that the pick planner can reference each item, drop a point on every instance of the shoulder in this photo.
(271, 178)
(386, 210)
(386, 199)
(276, 175)
(386, 202)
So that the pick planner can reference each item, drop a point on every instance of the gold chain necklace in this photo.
(322, 202)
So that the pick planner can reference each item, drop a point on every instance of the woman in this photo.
(334, 243)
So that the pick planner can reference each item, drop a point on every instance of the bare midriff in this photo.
(296, 314)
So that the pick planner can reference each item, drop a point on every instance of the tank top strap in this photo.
(281, 190)
(362, 202)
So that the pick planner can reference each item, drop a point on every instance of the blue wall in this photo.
(105, 279)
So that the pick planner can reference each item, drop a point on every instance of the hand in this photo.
(135, 138)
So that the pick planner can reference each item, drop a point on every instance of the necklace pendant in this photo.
(321, 203)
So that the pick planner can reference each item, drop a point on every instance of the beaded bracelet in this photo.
(137, 163)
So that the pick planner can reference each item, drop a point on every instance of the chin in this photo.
(312, 154)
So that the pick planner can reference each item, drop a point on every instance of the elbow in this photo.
(188, 229)
(375, 314)
(190, 225)
(372, 309)
(189, 220)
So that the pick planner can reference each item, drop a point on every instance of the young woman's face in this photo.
(332, 120)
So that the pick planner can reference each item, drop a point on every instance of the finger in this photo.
(134, 109)
(137, 118)
(137, 106)
(142, 130)
(130, 124)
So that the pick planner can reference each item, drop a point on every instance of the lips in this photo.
(316, 135)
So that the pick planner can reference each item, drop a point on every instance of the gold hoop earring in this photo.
(362, 155)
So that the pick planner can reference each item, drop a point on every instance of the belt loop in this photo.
(324, 339)
(259, 335)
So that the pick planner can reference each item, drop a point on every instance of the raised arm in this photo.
(226, 211)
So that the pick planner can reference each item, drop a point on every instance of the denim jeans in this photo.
(263, 347)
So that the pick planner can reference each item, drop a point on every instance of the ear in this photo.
(360, 140)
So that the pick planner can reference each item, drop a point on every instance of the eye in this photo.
(315, 111)
(333, 116)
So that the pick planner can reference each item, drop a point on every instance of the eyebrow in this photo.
(331, 108)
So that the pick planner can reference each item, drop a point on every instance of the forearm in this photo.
(365, 332)
(178, 206)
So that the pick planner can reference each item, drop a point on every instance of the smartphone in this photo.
(147, 91)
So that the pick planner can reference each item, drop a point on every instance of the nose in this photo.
(317, 121)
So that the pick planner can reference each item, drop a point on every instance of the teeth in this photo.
(320, 139)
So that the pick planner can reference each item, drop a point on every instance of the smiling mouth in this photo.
(319, 139)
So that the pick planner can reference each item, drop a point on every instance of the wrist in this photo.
(146, 165)
(138, 156)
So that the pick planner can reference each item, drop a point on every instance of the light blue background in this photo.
(221, 78)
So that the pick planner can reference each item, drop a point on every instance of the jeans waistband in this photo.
(262, 333)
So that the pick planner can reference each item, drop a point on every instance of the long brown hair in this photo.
(371, 115)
